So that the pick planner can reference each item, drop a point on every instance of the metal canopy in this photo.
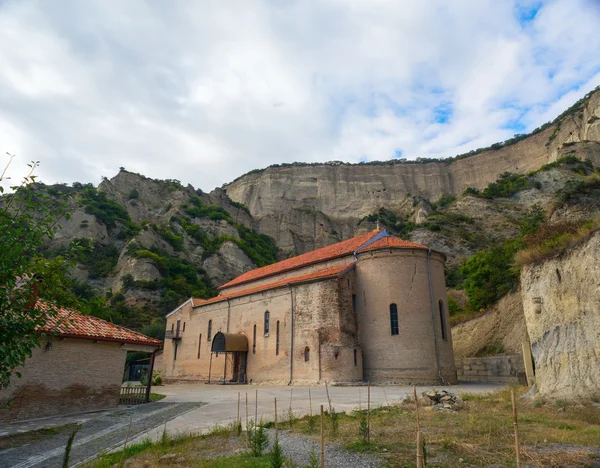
(229, 342)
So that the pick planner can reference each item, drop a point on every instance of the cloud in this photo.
(205, 91)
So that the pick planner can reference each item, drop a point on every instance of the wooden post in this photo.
(417, 408)
(149, 386)
(420, 458)
(369, 413)
(516, 428)
(322, 440)
(238, 421)
(328, 399)
(276, 429)
(246, 410)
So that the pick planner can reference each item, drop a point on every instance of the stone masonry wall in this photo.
(73, 376)
(401, 277)
(505, 369)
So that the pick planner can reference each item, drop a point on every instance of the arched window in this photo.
(442, 320)
(254, 340)
(209, 333)
(356, 357)
(267, 316)
(306, 354)
(394, 319)
(277, 339)
(199, 344)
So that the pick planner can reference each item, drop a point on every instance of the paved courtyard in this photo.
(192, 408)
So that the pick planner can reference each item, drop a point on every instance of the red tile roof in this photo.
(391, 242)
(71, 324)
(308, 277)
(340, 249)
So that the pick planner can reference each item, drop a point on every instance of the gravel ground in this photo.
(298, 448)
(95, 436)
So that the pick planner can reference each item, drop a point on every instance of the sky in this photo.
(204, 91)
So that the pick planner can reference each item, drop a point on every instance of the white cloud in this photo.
(205, 91)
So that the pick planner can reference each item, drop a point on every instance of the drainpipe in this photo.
(228, 313)
(435, 337)
(291, 333)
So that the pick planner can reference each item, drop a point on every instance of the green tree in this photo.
(28, 217)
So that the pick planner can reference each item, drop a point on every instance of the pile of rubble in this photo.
(441, 400)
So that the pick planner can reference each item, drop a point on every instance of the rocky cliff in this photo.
(306, 206)
(561, 301)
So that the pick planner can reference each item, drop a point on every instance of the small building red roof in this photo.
(308, 277)
(69, 323)
(330, 252)
(391, 242)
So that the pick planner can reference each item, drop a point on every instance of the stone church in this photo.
(373, 307)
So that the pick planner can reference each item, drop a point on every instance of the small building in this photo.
(373, 307)
(78, 367)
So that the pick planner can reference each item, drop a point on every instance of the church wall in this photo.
(317, 312)
(400, 276)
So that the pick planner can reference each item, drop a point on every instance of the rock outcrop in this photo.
(503, 324)
(335, 197)
(561, 301)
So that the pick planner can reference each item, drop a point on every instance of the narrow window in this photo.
(306, 354)
(354, 303)
(356, 357)
(178, 326)
(394, 319)
(172, 327)
(199, 344)
(183, 326)
(277, 339)
(209, 334)
(254, 340)
(442, 321)
(175, 351)
(267, 317)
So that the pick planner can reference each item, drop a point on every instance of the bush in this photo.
(489, 274)
(257, 438)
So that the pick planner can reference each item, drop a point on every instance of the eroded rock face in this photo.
(80, 225)
(340, 195)
(228, 263)
(561, 302)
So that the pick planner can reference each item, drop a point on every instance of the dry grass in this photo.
(553, 240)
(481, 434)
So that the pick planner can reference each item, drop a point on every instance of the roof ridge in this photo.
(339, 249)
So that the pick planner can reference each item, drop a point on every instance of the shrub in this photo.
(489, 275)
(257, 438)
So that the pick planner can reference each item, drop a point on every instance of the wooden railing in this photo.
(132, 395)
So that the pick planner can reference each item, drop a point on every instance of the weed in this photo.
(276, 456)
(313, 460)
(68, 447)
(257, 438)
(335, 423)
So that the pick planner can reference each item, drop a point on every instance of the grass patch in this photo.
(157, 396)
(552, 240)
